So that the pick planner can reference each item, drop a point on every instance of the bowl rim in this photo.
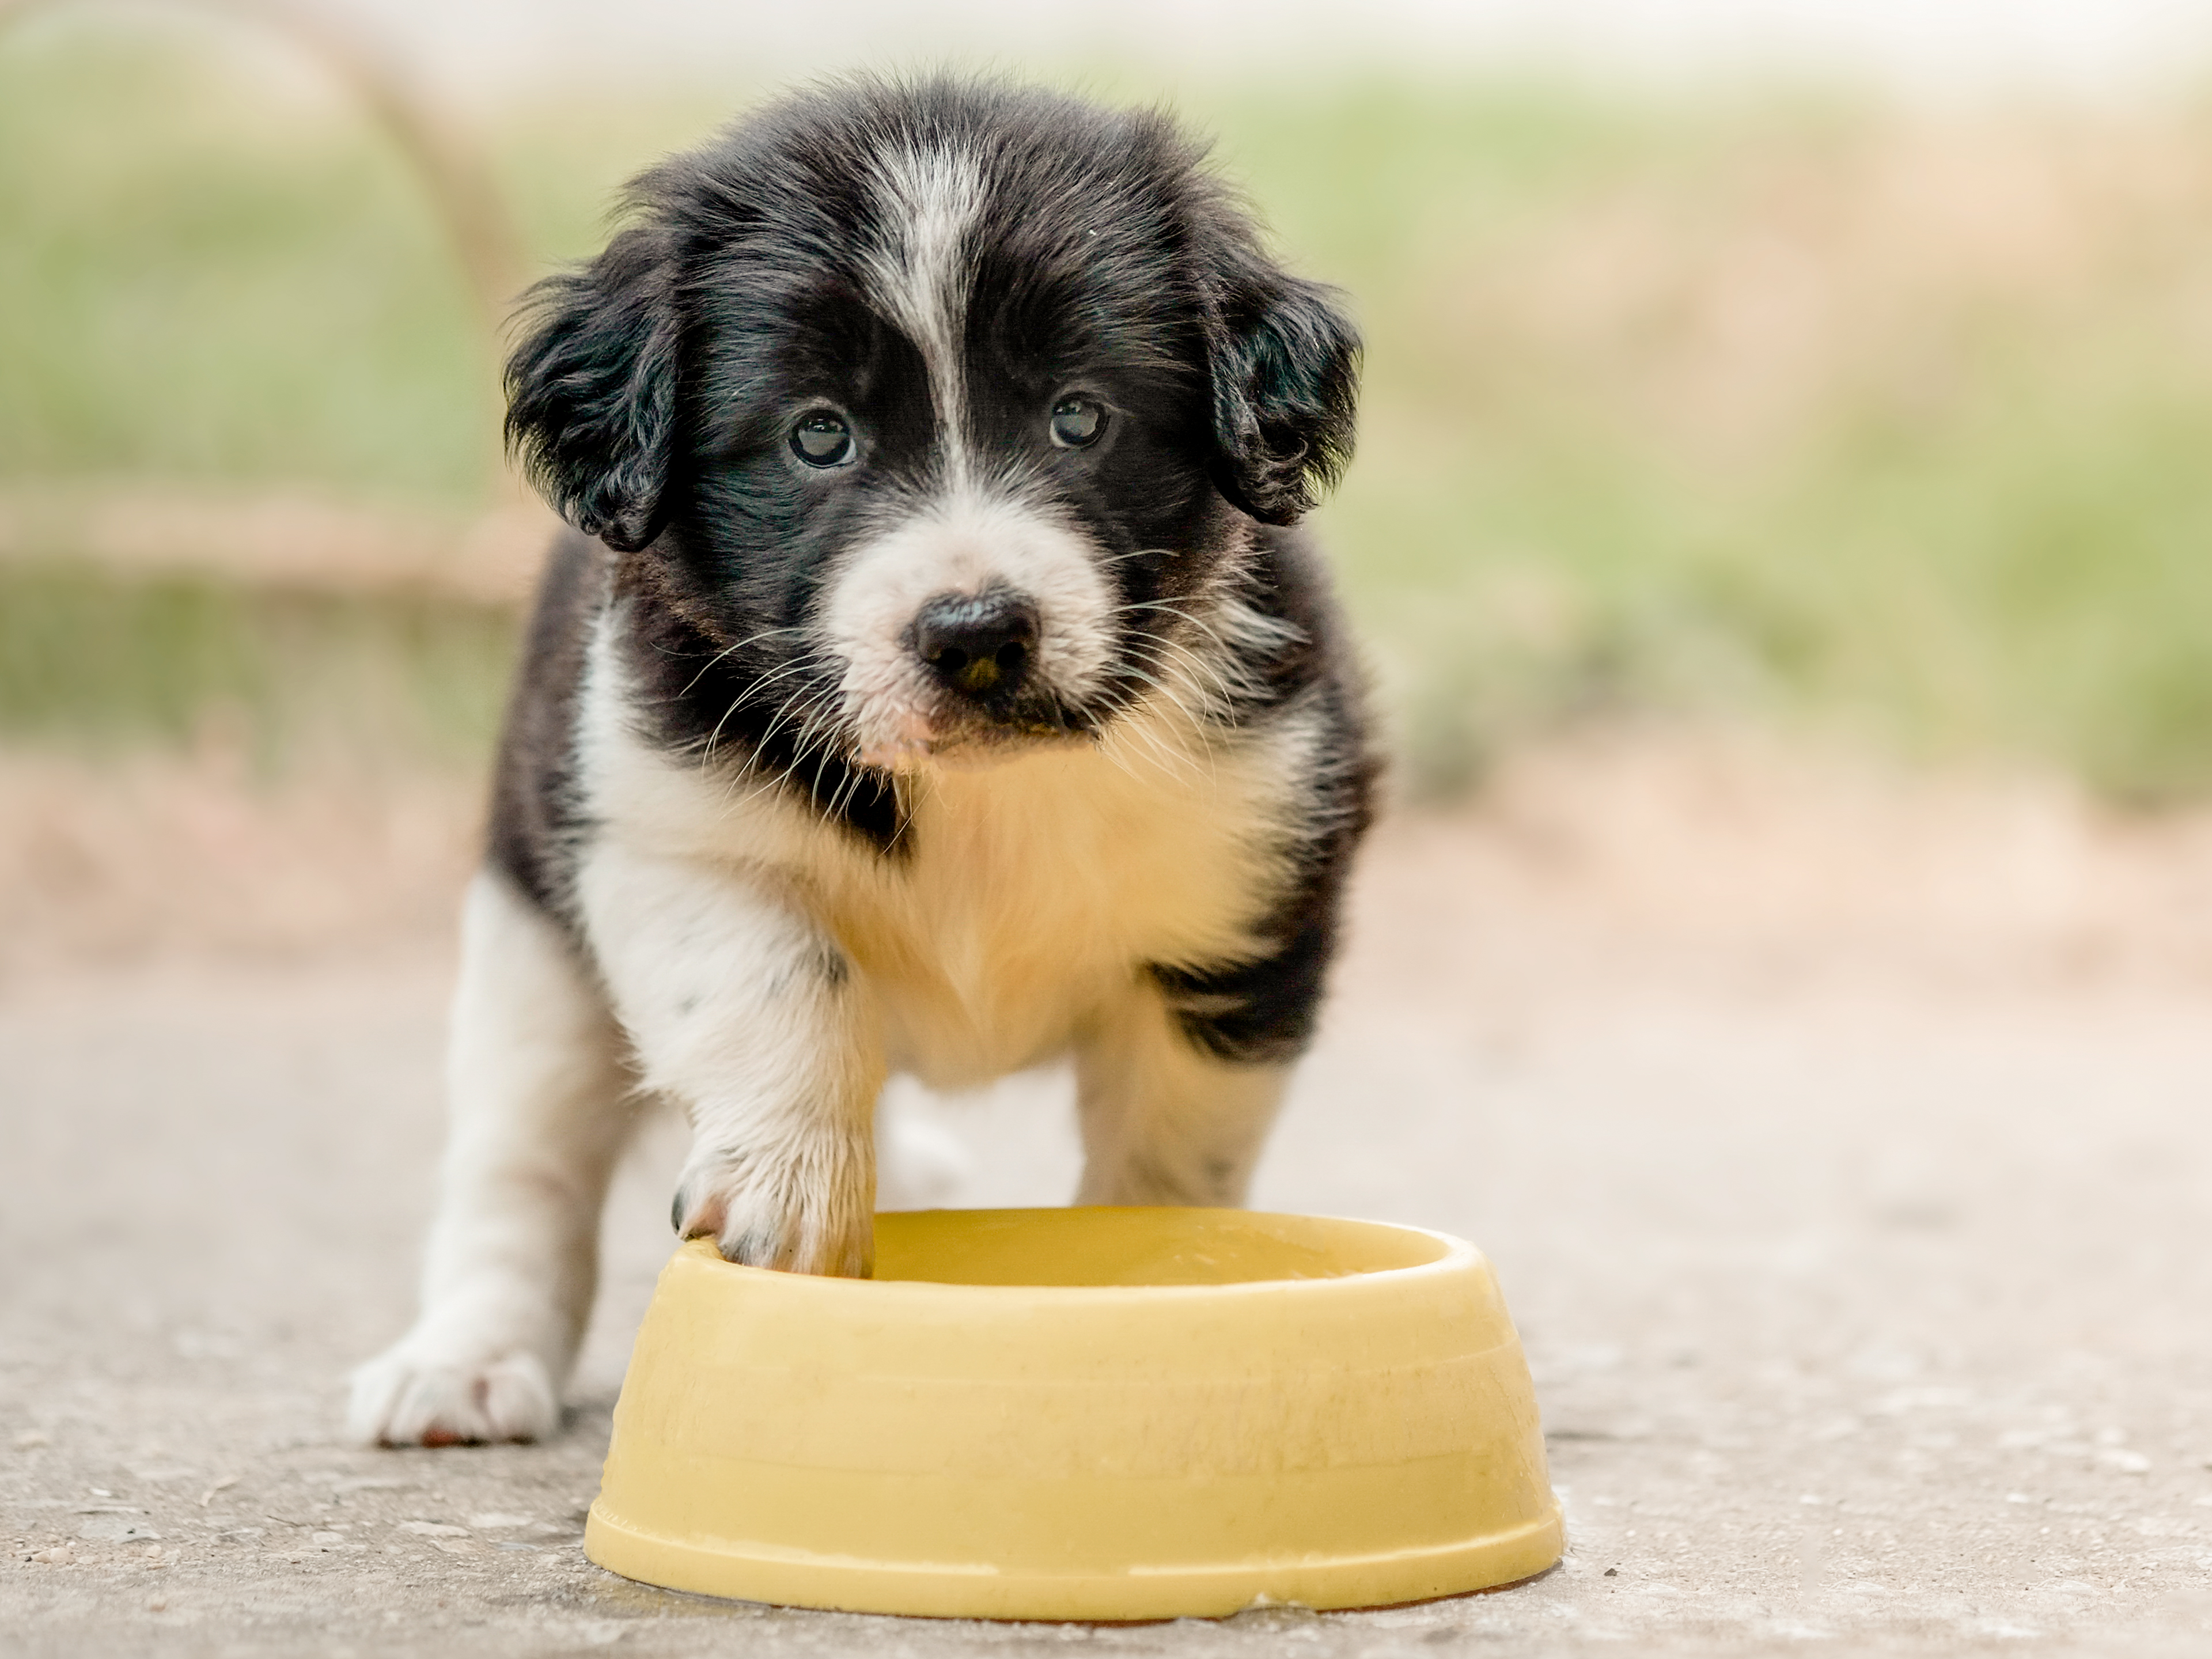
(1457, 1255)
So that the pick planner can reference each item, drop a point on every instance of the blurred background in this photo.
(1837, 374)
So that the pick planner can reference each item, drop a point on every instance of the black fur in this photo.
(1265, 1008)
(592, 390)
(535, 822)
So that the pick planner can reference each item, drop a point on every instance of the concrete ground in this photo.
(1842, 1145)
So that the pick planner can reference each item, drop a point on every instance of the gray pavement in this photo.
(1866, 1284)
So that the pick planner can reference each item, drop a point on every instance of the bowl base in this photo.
(844, 1584)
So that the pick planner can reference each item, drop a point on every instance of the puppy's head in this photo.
(935, 411)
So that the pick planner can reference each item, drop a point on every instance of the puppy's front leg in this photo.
(742, 1009)
(540, 1110)
(1165, 1120)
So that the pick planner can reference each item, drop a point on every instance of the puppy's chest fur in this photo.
(1021, 901)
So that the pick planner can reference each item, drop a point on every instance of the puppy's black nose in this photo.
(980, 643)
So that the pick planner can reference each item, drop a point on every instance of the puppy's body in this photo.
(942, 694)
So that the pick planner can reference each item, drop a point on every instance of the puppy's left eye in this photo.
(822, 438)
(1077, 423)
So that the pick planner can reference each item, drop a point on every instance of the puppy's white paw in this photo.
(412, 1395)
(802, 1215)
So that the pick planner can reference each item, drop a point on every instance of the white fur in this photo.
(975, 532)
(929, 198)
(1015, 928)
(963, 543)
(741, 1010)
(1029, 890)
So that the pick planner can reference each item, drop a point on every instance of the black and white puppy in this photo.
(932, 685)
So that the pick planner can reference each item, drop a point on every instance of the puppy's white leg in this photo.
(1164, 1120)
(536, 1090)
(745, 1011)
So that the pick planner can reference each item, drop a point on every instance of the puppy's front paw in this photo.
(806, 1215)
(413, 1395)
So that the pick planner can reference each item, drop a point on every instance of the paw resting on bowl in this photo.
(808, 1214)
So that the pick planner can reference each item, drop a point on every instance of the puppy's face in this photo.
(936, 414)
(968, 449)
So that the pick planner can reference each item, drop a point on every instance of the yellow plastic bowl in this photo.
(1103, 1413)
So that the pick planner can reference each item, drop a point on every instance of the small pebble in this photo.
(158, 1604)
(30, 1439)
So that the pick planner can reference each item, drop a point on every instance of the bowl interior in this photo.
(1138, 1247)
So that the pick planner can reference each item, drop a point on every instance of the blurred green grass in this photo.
(1865, 424)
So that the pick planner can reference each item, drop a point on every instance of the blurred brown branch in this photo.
(449, 164)
(289, 538)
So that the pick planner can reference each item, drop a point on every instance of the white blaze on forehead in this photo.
(961, 543)
(919, 275)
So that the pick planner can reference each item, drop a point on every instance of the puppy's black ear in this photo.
(1285, 364)
(591, 390)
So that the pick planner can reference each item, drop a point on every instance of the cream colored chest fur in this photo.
(1030, 896)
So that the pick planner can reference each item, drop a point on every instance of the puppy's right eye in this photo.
(822, 438)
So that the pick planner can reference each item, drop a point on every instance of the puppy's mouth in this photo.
(948, 734)
(972, 687)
